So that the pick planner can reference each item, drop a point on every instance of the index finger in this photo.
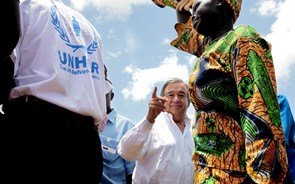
(154, 95)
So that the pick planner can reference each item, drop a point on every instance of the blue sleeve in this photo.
(289, 131)
(129, 166)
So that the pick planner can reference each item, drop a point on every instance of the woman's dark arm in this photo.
(10, 27)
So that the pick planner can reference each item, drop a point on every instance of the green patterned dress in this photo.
(238, 134)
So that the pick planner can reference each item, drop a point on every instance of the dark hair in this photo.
(174, 80)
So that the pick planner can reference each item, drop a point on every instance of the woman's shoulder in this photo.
(245, 31)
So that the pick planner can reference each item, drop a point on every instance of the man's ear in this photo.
(112, 95)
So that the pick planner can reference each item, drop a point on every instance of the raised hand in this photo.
(156, 106)
(184, 5)
(164, 3)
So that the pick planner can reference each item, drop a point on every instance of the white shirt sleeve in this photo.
(134, 143)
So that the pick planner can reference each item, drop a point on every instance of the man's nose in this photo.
(176, 98)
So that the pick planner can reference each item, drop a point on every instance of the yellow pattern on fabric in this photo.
(255, 154)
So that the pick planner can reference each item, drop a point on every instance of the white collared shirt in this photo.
(162, 152)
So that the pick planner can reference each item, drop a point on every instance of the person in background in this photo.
(232, 85)
(162, 143)
(116, 170)
(49, 134)
(288, 124)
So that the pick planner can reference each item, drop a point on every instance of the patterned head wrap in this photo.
(236, 7)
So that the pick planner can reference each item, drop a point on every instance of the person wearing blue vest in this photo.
(288, 124)
(116, 170)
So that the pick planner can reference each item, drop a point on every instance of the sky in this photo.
(136, 50)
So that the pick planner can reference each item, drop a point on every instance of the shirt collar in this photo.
(112, 116)
(187, 120)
